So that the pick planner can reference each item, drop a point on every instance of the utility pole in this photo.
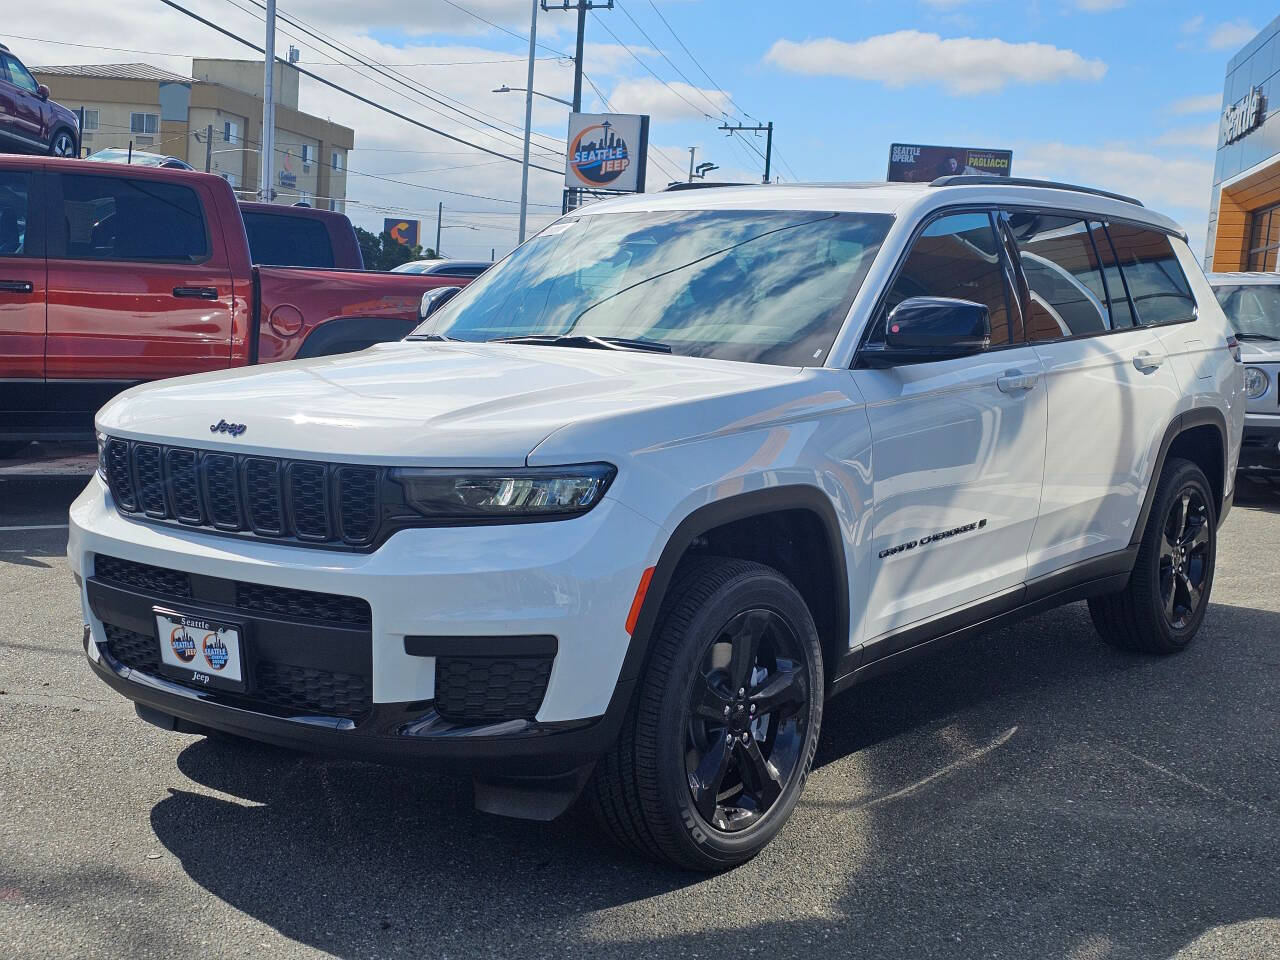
(582, 6)
(768, 143)
(208, 148)
(439, 219)
(528, 122)
(692, 153)
(266, 172)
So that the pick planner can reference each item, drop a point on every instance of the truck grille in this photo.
(297, 500)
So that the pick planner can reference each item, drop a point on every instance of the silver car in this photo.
(1251, 302)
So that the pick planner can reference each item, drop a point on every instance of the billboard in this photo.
(919, 163)
(403, 231)
(607, 151)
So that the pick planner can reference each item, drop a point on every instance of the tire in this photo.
(1163, 605)
(645, 792)
(63, 144)
(10, 448)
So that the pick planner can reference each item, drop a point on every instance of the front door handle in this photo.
(1015, 381)
(196, 293)
(16, 286)
(1147, 362)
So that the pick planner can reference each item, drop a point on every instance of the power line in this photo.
(638, 60)
(523, 38)
(354, 95)
(696, 62)
(644, 33)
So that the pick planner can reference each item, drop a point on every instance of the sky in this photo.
(1120, 94)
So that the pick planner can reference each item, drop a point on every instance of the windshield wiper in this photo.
(1257, 336)
(432, 336)
(584, 340)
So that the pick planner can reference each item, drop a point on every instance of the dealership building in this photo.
(1244, 207)
(159, 111)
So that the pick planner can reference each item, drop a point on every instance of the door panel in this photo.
(27, 118)
(956, 456)
(22, 279)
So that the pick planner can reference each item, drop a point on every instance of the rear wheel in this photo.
(715, 751)
(63, 144)
(1164, 603)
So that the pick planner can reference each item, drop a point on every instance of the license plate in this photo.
(200, 650)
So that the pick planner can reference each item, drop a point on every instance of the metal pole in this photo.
(439, 218)
(265, 170)
(768, 151)
(583, 7)
(208, 148)
(692, 151)
(528, 122)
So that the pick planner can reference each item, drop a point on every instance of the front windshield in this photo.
(1253, 309)
(760, 286)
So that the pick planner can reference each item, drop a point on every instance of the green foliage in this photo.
(382, 252)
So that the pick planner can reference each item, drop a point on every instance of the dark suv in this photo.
(29, 121)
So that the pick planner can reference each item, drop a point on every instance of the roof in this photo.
(1241, 278)
(114, 71)
(908, 200)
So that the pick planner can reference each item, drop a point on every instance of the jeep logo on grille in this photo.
(233, 429)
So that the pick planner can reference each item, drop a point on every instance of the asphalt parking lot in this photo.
(1030, 794)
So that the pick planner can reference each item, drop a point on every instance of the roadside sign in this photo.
(920, 163)
(607, 151)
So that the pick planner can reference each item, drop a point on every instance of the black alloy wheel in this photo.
(63, 145)
(746, 720)
(1184, 557)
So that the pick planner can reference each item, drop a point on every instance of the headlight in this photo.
(525, 493)
(102, 455)
(1255, 382)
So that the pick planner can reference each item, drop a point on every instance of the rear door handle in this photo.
(196, 293)
(16, 286)
(1015, 381)
(1147, 362)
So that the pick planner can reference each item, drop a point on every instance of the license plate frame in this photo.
(201, 650)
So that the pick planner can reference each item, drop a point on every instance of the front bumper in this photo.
(1260, 449)
(571, 582)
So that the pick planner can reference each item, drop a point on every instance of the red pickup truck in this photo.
(112, 275)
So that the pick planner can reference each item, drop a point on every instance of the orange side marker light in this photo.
(641, 589)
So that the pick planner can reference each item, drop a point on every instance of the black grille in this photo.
(281, 602)
(470, 689)
(264, 496)
(282, 686)
(141, 576)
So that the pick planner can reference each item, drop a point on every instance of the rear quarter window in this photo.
(1157, 286)
(285, 241)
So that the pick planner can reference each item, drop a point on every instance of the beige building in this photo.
(164, 112)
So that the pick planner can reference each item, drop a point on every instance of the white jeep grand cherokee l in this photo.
(625, 511)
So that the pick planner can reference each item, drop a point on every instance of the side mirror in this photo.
(42, 92)
(434, 299)
(923, 329)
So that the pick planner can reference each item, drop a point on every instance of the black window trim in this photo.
(54, 197)
(1007, 273)
(34, 245)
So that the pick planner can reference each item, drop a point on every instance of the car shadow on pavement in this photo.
(1029, 793)
(1258, 490)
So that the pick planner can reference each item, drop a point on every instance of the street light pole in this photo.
(265, 172)
(528, 121)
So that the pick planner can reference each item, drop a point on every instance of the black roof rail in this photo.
(967, 179)
(700, 184)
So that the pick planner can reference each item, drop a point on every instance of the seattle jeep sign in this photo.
(1240, 118)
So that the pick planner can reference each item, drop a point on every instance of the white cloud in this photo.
(1203, 103)
(673, 101)
(1203, 135)
(1232, 35)
(946, 4)
(1099, 6)
(1194, 25)
(963, 65)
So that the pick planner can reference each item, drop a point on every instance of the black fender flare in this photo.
(740, 507)
(1190, 419)
(330, 336)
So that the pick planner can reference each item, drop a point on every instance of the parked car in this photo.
(138, 158)
(1251, 302)
(29, 121)
(294, 236)
(443, 266)
(148, 274)
(625, 511)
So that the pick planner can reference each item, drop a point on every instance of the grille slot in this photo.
(471, 689)
(314, 503)
(135, 650)
(303, 604)
(141, 576)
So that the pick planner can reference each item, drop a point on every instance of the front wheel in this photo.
(1164, 603)
(63, 144)
(716, 749)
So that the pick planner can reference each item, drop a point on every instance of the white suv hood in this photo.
(420, 403)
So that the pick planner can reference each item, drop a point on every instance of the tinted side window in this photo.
(1067, 296)
(285, 241)
(14, 192)
(956, 256)
(18, 74)
(112, 218)
(1157, 285)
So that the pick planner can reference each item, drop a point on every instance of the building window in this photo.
(144, 123)
(1264, 239)
(90, 120)
(230, 131)
(306, 157)
(230, 177)
(336, 162)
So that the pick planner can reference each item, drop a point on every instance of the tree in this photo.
(383, 251)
